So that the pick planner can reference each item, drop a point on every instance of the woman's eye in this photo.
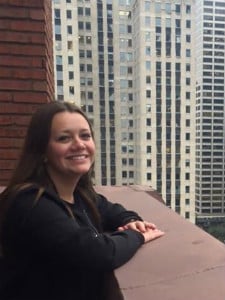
(63, 138)
(86, 136)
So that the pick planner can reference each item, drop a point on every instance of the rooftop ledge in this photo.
(185, 264)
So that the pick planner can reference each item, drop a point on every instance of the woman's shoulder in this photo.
(29, 195)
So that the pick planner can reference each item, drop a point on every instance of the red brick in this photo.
(29, 50)
(4, 24)
(40, 85)
(29, 97)
(12, 132)
(14, 120)
(29, 73)
(6, 73)
(11, 143)
(26, 61)
(10, 61)
(5, 96)
(25, 3)
(10, 12)
(9, 84)
(22, 73)
(36, 14)
(19, 108)
(27, 26)
(8, 154)
(7, 164)
(5, 175)
(21, 38)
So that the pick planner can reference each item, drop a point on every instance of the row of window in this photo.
(211, 3)
(168, 7)
(158, 23)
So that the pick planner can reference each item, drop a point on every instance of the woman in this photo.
(53, 223)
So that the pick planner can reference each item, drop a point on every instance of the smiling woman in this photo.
(70, 151)
(59, 238)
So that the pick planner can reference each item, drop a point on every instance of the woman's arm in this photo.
(49, 234)
(114, 215)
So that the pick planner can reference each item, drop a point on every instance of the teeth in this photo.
(78, 157)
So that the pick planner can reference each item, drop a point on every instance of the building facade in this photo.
(210, 97)
(131, 66)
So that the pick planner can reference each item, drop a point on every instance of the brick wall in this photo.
(26, 72)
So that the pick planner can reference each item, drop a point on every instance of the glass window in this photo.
(88, 40)
(158, 22)
(57, 13)
(148, 50)
(80, 25)
(80, 11)
(70, 60)
(148, 79)
(188, 52)
(147, 36)
(177, 8)
(71, 90)
(87, 11)
(70, 45)
(69, 14)
(71, 75)
(89, 68)
(88, 25)
(147, 5)
(148, 65)
(81, 53)
(157, 7)
(123, 28)
(188, 24)
(188, 9)
(69, 29)
(148, 93)
(187, 215)
(148, 149)
(149, 176)
(57, 29)
(188, 81)
(168, 22)
(89, 54)
(147, 21)
(168, 8)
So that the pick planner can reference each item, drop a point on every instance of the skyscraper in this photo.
(131, 65)
(210, 97)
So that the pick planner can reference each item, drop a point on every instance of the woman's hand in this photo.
(147, 229)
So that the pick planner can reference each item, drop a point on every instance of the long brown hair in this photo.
(31, 168)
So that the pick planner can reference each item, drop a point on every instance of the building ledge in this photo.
(187, 263)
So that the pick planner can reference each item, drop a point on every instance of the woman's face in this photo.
(71, 149)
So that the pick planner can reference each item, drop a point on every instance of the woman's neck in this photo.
(65, 188)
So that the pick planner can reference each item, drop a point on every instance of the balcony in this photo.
(185, 264)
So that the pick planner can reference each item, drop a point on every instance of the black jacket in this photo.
(56, 257)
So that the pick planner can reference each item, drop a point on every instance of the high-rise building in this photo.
(210, 109)
(131, 65)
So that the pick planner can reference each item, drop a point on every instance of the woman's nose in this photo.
(78, 143)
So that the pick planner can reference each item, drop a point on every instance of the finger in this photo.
(121, 228)
(150, 225)
(141, 226)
